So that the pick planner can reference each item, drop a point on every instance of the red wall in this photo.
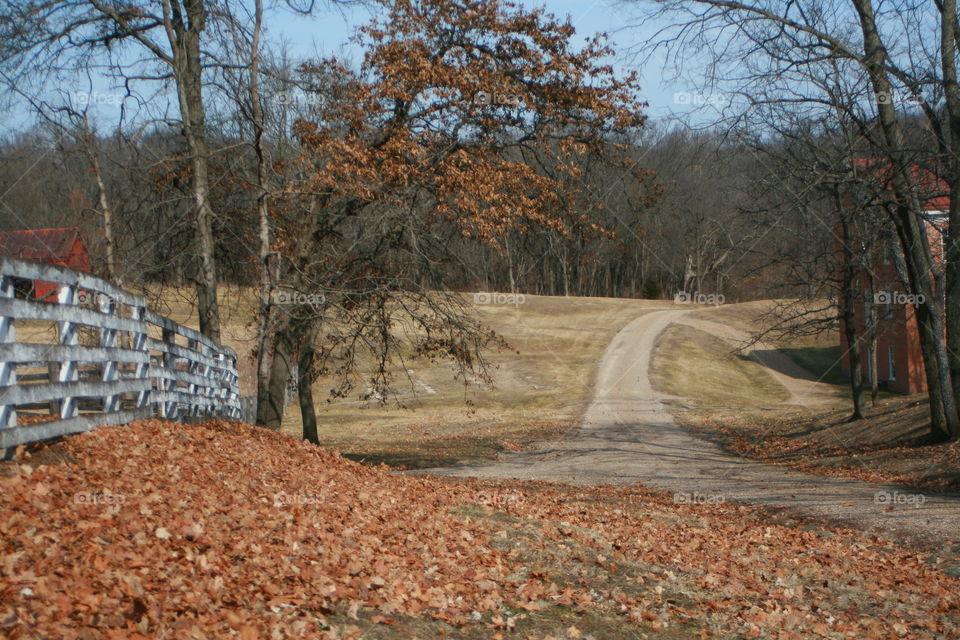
(77, 258)
(899, 331)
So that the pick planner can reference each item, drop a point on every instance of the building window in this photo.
(886, 253)
(891, 364)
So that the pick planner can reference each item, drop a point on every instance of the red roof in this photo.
(934, 189)
(61, 246)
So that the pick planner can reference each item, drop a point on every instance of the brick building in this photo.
(899, 361)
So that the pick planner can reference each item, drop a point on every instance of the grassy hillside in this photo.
(692, 364)
(541, 386)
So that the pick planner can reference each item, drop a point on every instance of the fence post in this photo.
(225, 378)
(67, 336)
(233, 376)
(191, 387)
(108, 340)
(138, 342)
(209, 374)
(8, 370)
(171, 408)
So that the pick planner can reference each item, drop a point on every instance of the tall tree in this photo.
(443, 124)
(779, 42)
(41, 36)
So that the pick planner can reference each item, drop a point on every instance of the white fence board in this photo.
(45, 430)
(33, 353)
(138, 377)
(45, 392)
(31, 310)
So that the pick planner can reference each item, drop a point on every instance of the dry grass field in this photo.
(694, 365)
(540, 388)
(540, 385)
(818, 353)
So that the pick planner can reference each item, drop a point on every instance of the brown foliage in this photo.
(453, 109)
(165, 530)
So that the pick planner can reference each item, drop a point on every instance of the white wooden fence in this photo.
(96, 355)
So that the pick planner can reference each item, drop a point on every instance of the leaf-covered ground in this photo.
(890, 445)
(223, 530)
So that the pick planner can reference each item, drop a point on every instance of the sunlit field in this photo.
(540, 385)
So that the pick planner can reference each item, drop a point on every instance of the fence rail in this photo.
(96, 355)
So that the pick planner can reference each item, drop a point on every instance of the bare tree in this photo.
(750, 45)
(171, 33)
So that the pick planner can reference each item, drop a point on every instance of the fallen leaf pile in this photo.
(808, 455)
(773, 581)
(223, 530)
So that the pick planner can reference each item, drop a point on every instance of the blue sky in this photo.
(329, 30)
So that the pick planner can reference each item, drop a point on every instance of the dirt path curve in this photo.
(628, 436)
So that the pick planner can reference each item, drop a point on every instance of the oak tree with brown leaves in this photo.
(471, 113)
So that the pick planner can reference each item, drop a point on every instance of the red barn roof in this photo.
(933, 189)
(61, 246)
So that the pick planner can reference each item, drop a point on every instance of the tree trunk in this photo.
(945, 422)
(308, 415)
(506, 246)
(290, 334)
(184, 39)
(285, 342)
(264, 334)
(848, 297)
(948, 53)
(870, 321)
(932, 362)
(564, 262)
(105, 211)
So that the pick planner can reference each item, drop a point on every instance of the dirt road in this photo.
(629, 436)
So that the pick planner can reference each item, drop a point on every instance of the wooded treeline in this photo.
(476, 147)
(679, 224)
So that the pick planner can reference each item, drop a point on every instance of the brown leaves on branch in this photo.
(477, 112)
